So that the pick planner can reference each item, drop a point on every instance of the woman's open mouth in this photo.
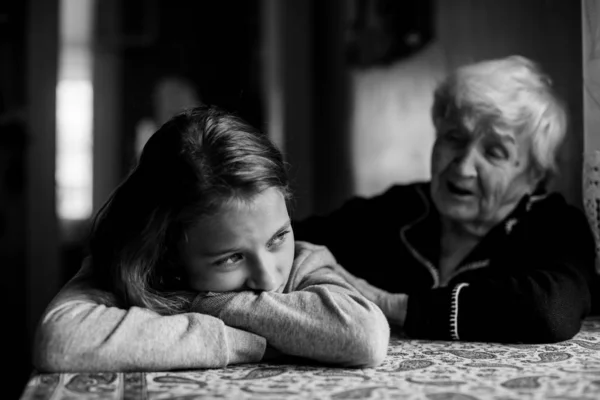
(458, 190)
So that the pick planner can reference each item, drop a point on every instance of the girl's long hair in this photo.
(192, 164)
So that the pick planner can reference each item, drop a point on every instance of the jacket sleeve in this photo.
(340, 231)
(542, 298)
(81, 331)
(354, 230)
(320, 316)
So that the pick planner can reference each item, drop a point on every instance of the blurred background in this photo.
(344, 87)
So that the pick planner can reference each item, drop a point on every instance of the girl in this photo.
(200, 229)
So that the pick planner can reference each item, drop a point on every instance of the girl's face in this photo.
(246, 245)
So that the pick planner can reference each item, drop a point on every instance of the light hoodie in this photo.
(83, 330)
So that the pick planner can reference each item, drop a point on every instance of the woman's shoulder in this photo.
(554, 224)
(553, 208)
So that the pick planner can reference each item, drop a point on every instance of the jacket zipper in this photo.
(425, 262)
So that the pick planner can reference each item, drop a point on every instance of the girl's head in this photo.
(204, 209)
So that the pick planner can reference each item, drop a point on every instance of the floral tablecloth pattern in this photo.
(413, 369)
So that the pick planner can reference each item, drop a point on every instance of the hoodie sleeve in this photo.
(81, 331)
(319, 316)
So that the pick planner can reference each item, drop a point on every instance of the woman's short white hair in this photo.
(511, 93)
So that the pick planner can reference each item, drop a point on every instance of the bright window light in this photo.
(74, 147)
(74, 112)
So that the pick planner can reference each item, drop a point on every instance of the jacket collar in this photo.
(422, 235)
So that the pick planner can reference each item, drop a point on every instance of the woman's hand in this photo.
(393, 305)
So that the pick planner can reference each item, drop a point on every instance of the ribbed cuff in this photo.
(427, 315)
(244, 347)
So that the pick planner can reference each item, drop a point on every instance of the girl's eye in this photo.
(230, 261)
(279, 239)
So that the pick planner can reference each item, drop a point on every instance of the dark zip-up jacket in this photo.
(529, 280)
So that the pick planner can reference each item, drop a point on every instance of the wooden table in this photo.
(414, 369)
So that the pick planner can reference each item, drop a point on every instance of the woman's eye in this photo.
(229, 261)
(455, 136)
(279, 239)
(497, 153)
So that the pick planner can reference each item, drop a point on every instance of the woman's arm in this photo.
(534, 307)
(537, 289)
(320, 316)
(80, 331)
(541, 306)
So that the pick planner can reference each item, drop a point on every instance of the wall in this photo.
(392, 133)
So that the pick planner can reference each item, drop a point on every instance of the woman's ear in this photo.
(538, 180)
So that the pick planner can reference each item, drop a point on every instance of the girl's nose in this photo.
(264, 275)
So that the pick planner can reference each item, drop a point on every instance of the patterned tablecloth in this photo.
(413, 369)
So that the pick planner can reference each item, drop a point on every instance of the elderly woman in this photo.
(480, 252)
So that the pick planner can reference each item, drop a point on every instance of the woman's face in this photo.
(479, 175)
(246, 245)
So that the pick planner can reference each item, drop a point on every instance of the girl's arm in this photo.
(81, 331)
(319, 316)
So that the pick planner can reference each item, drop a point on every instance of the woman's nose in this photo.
(263, 275)
(466, 162)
